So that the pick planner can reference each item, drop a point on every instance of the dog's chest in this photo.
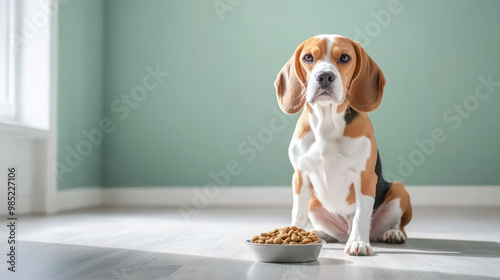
(331, 166)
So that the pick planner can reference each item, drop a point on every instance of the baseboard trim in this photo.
(176, 196)
(282, 196)
(78, 198)
(485, 196)
(200, 197)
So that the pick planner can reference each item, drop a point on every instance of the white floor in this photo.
(138, 243)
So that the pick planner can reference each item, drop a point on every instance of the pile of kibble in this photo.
(286, 235)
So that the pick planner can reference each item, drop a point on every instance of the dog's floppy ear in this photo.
(367, 84)
(290, 85)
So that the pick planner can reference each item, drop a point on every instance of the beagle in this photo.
(338, 184)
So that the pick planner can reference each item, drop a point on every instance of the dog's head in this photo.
(330, 69)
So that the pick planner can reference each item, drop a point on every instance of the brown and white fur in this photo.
(333, 149)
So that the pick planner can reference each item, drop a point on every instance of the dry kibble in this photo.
(287, 235)
(283, 236)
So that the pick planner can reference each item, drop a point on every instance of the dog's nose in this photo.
(325, 78)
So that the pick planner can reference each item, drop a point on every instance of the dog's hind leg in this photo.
(390, 218)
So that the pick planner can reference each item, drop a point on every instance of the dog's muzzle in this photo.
(325, 78)
(325, 89)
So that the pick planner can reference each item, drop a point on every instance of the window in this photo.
(7, 102)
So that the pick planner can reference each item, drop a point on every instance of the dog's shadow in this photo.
(446, 247)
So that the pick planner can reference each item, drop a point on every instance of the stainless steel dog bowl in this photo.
(282, 253)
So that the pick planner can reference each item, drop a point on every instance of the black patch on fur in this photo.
(350, 115)
(382, 185)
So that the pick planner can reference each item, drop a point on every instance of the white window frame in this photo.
(31, 58)
(33, 84)
(7, 96)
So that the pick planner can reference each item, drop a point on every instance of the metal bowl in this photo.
(284, 253)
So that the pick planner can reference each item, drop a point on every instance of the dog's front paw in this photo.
(358, 248)
(323, 235)
(394, 236)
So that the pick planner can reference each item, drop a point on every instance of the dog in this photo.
(337, 184)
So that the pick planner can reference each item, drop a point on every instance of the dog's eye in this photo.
(308, 58)
(344, 58)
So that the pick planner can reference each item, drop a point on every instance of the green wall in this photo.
(220, 92)
(80, 91)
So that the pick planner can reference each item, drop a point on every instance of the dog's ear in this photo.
(367, 84)
(290, 85)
